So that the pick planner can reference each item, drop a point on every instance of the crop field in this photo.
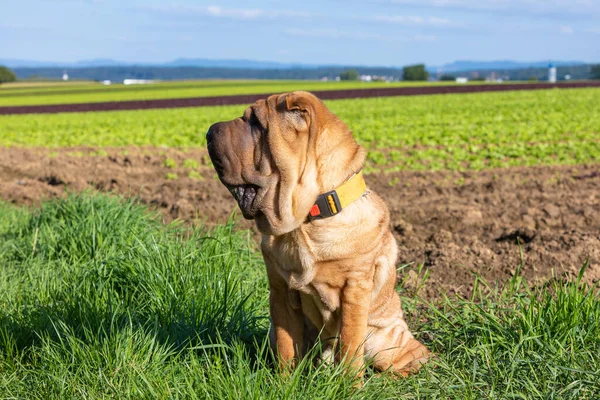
(126, 272)
(95, 92)
(451, 132)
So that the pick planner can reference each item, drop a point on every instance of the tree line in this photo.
(417, 72)
(6, 75)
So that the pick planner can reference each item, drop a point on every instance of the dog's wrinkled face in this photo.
(271, 158)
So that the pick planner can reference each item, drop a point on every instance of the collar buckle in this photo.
(327, 205)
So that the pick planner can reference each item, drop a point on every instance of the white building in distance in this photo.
(551, 73)
(138, 81)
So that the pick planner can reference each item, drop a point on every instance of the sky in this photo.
(367, 32)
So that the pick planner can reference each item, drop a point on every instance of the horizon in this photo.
(373, 33)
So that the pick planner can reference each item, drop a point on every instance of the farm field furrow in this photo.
(455, 132)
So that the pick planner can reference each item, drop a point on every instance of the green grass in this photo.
(99, 299)
(454, 132)
(93, 93)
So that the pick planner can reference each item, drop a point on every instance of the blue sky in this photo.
(368, 32)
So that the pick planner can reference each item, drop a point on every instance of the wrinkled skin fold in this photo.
(331, 280)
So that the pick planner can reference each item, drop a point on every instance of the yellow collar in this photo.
(333, 202)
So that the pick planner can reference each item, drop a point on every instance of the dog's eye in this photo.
(254, 120)
(257, 127)
(256, 123)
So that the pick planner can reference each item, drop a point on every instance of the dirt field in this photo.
(457, 224)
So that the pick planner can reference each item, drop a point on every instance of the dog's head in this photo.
(280, 155)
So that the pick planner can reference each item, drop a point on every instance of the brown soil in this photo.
(457, 224)
(322, 94)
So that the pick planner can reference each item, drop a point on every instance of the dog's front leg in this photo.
(287, 320)
(356, 299)
(288, 326)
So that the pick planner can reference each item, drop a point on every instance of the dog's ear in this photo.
(299, 101)
(300, 108)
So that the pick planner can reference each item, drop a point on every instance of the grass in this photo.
(99, 299)
(452, 132)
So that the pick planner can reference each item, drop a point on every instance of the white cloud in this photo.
(411, 19)
(566, 29)
(223, 12)
(593, 30)
(356, 35)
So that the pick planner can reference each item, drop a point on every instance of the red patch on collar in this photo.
(314, 211)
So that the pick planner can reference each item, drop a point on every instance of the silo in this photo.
(551, 73)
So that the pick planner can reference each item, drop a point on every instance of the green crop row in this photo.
(464, 131)
(92, 93)
(476, 131)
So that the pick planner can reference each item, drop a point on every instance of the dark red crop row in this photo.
(251, 98)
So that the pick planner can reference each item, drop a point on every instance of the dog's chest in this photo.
(294, 259)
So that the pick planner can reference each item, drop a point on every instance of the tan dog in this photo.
(331, 260)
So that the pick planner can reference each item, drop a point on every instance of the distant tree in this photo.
(446, 77)
(349, 75)
(595, 71)
(6, 75)
(415, 73)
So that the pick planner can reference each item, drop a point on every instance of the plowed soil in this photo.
(457, 224)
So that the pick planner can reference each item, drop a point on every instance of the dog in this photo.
(295, 168)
